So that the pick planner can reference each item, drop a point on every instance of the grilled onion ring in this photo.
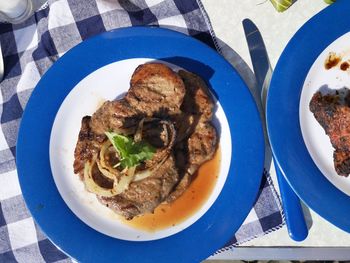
(91, 185)
(119, 185)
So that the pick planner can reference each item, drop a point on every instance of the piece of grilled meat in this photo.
(155, 90)
(333, 114)
(197, 139)
(145, 195)
(342, 162)
(88, 144)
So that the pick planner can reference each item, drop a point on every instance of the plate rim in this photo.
(290, 73)
(26, 168)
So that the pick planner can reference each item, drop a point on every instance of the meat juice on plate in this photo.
(168, 215)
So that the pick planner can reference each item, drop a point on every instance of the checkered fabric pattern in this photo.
(264, 218)
(30, 48)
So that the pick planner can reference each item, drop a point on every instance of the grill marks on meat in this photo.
(177, 110)
(155, 90)
(88, 144)
(201, 145)
(197, 100)
(192, 153)
(342, 162)
(145, 195)
(116, 116)
(198, 141)
(333, 115)
(161, 134)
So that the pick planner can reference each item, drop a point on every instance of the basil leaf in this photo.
(131, 153)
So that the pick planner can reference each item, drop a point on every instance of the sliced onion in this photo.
(123, 183)
(165, 127)
(106, 169)
(142, 175)
(91, 185)
(148, 172)
(119, 186)
(106, 172)
(138, 134)
(192, 169)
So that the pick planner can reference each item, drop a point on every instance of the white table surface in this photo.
(324, 241)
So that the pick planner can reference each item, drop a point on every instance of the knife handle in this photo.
(293, 212)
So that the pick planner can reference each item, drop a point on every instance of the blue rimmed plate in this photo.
(48, 124)
(302, 149)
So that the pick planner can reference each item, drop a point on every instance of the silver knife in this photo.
(294, 216)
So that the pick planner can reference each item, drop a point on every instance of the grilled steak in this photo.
(116, 116)
(161, 134)
(197, 100)
(342, 162)
(155, 90)
(192, 153)
(173, 112)
(88, 144)
(333, 114)
(145, 195)
(197, 139)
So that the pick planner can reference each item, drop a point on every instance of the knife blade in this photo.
(294, 216)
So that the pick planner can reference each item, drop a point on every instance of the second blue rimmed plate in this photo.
(92, 69)
(303, 151)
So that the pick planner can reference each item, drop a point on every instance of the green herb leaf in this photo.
(329, 1)
(131, 153)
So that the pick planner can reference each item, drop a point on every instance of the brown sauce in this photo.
(332, 60)
(167, 215)
(344, 66)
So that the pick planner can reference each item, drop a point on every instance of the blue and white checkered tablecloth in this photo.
(30, 48)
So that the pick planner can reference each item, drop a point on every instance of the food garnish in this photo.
(131, 153)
